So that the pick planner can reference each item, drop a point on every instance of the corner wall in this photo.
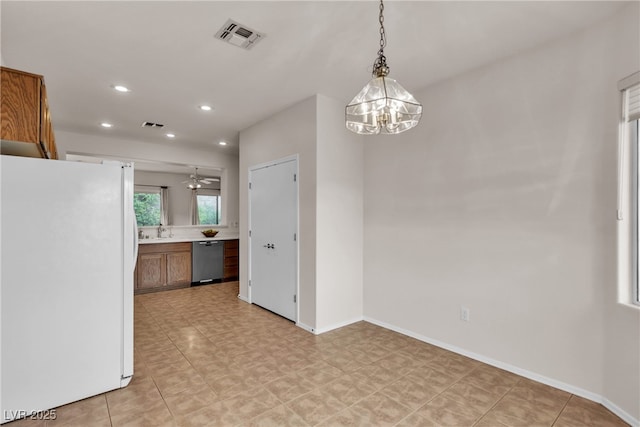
(290, 132)
(339, 218)
(330, 206)
(503, 201)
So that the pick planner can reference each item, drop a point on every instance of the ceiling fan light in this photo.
(194, 181)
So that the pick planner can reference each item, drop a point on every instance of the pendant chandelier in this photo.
(382, 106)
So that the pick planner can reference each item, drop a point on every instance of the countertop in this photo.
(184, 239)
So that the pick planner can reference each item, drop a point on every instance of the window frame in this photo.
(628, 209)
(153, 189)
(210, 193)
(633, 137)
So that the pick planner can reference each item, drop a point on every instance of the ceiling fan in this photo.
(194, 182)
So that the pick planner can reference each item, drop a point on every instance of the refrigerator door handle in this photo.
(135, 239)
(129, 264)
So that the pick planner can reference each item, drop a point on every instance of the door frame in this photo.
(295, 158)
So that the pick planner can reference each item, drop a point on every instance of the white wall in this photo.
(79, 143)
(339, 278)
(503, 200)
(287, 133)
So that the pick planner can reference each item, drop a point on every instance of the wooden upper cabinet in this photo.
(20, 106)
(26, 128)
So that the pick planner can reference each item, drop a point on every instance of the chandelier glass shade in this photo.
(383, 105)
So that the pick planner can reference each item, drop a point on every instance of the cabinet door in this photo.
(151, 271)
(178, 268)
(230, 259)
(20, 111)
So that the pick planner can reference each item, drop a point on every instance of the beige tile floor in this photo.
(205, 358)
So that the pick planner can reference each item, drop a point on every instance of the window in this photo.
(207, 207)
(629, 192)
(149, 204)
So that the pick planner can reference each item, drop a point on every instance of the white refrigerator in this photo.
(66, 291)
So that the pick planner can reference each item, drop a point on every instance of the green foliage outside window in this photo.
(208, 209)
(147, 208)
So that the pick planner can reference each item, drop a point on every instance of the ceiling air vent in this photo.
(238, 35)
(151, 125)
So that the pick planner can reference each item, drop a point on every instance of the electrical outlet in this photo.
(464, 314)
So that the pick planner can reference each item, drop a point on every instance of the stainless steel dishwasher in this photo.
(207, 261)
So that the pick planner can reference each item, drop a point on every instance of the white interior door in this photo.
(273, 201)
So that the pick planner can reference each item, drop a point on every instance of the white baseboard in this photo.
(337, 325)
(328, 328)
(305, 327)
(626, 417)
(243, 298)
(516, 370)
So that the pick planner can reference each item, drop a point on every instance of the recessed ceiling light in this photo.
(106, 125)
(205, 108)
(121, 88)
(171, 135)
(222, 143)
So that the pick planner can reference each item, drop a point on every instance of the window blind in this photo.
(632, 106)
(629, 88)
(208, 192)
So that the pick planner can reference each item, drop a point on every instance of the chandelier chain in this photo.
(382, 106)
(383, 35)
(380, 67)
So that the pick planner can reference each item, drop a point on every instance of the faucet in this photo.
(160, 230)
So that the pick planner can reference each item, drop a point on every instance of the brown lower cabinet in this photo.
(231, 259)
(163, 266)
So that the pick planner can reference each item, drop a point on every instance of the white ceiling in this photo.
(166, 53)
